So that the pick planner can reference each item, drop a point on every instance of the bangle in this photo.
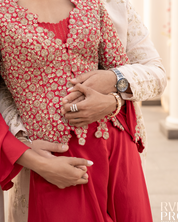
(24, 139)
(119, 104)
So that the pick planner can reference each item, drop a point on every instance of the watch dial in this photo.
(122, 85)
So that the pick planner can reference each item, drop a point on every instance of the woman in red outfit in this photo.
(42, 61)
(63, 172)
(14, 155)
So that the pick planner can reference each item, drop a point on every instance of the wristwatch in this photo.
(122, 83)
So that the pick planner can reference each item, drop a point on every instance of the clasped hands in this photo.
(61, 171)
(91, 95)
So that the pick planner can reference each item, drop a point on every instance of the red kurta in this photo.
(116, 191)
(10, 151)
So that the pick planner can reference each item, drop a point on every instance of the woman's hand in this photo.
(60, 171)
(67, 171)
(45, 149)
(94, 107)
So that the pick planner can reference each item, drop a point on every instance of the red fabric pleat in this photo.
(129, 121)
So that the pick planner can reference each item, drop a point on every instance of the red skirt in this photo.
(116, 191)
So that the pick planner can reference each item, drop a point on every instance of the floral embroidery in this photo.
(137, 55)
(19, 196)
(37, 66)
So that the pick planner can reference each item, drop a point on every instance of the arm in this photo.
(111, 54)
(61, 171)
(145, 72)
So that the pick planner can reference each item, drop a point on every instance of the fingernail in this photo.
(65, 147)
(65, 100)
(70, 89)
(74, 79)
(90, 163)
(85, 176)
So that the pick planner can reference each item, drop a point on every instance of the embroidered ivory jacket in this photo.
(145, 74)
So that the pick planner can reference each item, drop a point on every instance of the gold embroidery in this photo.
(38, 66)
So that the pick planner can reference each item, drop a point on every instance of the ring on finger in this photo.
(73, 108)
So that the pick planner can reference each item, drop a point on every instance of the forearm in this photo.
(146, 81)
(31, 160)
(145, 72)
(61, 171)
(109, 84)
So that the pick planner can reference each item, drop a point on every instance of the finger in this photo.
(76, 120)
(81, 174)
(81, 124)
(79, 99)
(82, 78)
(84, 168)
(82, 88)
(72, 96)
(74, 115)
(79, 161)
(55, 147)
(67, 107)
(82, 181)
(85, 176)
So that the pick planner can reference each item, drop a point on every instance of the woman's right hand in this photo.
(94, 107)
(64, 171)
(45, 149)
(61, 171)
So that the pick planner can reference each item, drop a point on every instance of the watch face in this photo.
(122, 85)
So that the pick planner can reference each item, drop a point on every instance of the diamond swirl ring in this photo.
(73, 108)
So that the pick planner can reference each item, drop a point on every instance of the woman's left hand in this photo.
(94, 107)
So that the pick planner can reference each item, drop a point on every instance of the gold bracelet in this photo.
(119, 104)
(24, 139)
